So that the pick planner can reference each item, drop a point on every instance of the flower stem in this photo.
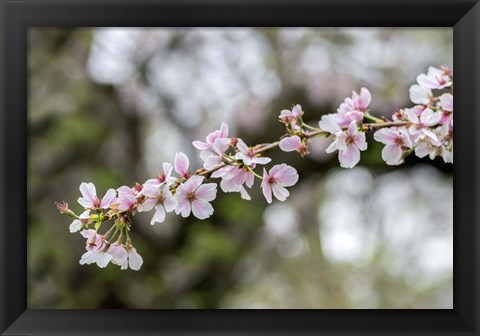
(372, 118)
(253, 172)
(311, 127)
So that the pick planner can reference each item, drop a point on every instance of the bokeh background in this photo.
(110, 105)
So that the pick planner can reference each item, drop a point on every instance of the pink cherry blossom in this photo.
(349, 143)
(397, 141)
(248, 155)
(96, 250)
(181, 164)
(287, 116)
(362, 100)
(94, 240)
(279, 177)
(222, 133)
(434, 79)
(420, 94)
(443, 147)
(233, 179)
(89, 199)
(194, 197)
(160, 198)
(420, 125)
(215, 155)
(164, 177)
(353, 109)
(126, 198)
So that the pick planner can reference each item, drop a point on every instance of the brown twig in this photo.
(266, 147)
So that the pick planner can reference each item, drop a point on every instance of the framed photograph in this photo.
(238, 167)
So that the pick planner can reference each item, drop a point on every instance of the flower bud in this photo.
(63, 208)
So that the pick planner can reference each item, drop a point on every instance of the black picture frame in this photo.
(15, 18)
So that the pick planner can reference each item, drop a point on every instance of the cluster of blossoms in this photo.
(228, 159)
(425, 129)
(430, 121)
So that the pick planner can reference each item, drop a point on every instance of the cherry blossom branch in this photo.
(425, 129)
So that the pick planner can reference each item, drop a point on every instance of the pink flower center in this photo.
(350, 139)
(272, 180)
(398, 141)
(160, 198)
(97, 203)
(191, 196)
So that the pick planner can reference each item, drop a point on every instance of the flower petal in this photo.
(259, 160)
(427, 81)
(88, 233)
(392, 154)
(135, 261)
(119, 254)
(169, 204)
(364, 99)
(431, 135)
(103, 258)
(242, 146)
(266, 188)
(360, 141)
(249, 179)
(290, 144)
(88, 258)
(287, 176)
(244, 157)
(352, 128)
(329, 124)
(412, 116)
(109, 198)
(89, 192)
(333, 146)
(223, 130)
(212, 161)
(206, 192)
(147, 205)
(201, 210)
(159, 215)
(181, 163)
(221, 145)
(385, 135)
(422, 150)
(244, 194)
(183, 207)
(75, 226)
(193, 183)
(420, 94)
(200, 145)
(297, 111)
(430, 118)
(349, 157)
(280, 192)
(446, 102)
